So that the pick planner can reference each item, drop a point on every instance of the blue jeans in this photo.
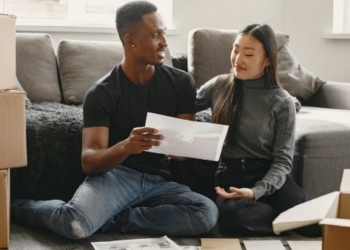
(126, 200)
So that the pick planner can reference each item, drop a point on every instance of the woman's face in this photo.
(248, 57)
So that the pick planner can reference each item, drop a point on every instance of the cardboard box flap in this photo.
(220, 244)
(4, 208)
(345, 183)
(307, 213)
(12, 91)
(7, 52)
(335, 222)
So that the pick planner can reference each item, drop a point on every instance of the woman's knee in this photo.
(244, 216)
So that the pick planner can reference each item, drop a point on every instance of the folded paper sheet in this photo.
(305, 245)
(263, 245)
(188, 138)
(148, 243)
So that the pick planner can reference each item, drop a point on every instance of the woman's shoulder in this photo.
(282, 94)
(216, 82)
(283, 100)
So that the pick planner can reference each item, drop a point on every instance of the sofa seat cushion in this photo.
(37, 68)
(322, 144)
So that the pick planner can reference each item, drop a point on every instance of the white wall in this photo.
(222, 14)
(191, 14)
(304, 21)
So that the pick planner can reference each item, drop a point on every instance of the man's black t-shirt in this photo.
(119, 104)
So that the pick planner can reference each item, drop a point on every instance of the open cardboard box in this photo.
(4, 208)
(7, 52)
(13, 145)
(332, 211)
(13, 151)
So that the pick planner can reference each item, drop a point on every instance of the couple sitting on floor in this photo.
(130, 191)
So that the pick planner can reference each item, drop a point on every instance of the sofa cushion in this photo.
(322, 146)
(37, 67)
(82, 63)
(294, 78)
(333, 95)
(208, 58)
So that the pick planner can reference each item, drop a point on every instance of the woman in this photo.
(252, 182)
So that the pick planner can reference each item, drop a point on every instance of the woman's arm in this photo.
(204, 98)
(282, 154)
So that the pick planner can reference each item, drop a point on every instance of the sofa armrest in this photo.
(333, 95)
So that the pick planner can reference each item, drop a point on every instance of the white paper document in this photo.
(190, 248)
(138, 244)
(263, 245)
(188, 138)
(305, 245)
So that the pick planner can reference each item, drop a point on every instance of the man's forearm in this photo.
(99, 161)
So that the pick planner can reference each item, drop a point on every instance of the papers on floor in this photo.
(220, 244)
(188, 138)
(263, 245)
(144, 244)
(305, 245)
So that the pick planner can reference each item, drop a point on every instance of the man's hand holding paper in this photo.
(187, 138)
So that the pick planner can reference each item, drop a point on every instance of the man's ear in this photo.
(128, 40)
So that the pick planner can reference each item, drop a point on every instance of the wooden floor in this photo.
(22, 238)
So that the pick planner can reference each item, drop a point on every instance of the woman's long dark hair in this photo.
(226, 108)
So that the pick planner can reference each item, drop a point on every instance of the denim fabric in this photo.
(126, 200)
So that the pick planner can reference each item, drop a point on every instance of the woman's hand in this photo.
(235, 193)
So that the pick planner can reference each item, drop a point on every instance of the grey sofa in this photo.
(322, 143)
(56, 82)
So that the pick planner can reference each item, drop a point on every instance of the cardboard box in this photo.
(332, 211)
(220, 244)
(4, 208)
(7, 52)
(13, 145)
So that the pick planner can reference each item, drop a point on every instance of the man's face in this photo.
(149, 40)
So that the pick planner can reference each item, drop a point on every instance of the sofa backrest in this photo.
(209, 55)
(82, 63)
(209, 52)
(36, 67)
(78, 66)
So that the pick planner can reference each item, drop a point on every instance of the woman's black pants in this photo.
(249, 217)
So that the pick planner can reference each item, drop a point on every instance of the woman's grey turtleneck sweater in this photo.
(266, 128)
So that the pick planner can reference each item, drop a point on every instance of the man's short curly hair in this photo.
(129, 16)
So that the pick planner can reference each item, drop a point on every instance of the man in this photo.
(127, 189)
